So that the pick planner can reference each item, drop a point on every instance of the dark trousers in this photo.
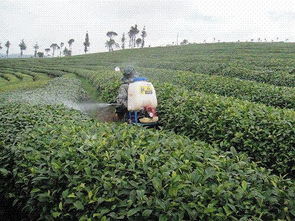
(121, 112)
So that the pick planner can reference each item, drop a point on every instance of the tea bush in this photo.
(283, 97)
(279, 78)
(60, 90)
(15, 120)
(67, 169)
(49, 72)
(56, 164)
(266, 134)
(16, 74)
(5, 77)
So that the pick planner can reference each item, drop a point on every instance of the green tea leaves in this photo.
(244, 185)
(79, 205)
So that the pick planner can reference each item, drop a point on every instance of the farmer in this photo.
(128, 74)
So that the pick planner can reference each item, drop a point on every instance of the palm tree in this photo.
(66, 52)
(132, 35)
(70, 42)
(54, 46)
(58, 48)
(0, 46)
(143, 36)
(86, 43)
(7, 45)
(135, 31)
(22, 47)
(130, 38)
(61, 45)
(47, 50)
(184, 42)
(123, 39)
(138, 42)
(36, 47)
(111, 34)
(40, 54)
(110, 44)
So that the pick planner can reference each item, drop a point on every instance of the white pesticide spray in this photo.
(86, 107)
(67, 92)
(101, 111)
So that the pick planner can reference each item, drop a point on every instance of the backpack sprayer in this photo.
(141, 103)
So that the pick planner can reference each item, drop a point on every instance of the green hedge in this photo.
(270, 77)
(78, 170)
(106, 81)
(16, 74)
(266, 134)
(5, 77)
(283, 97)
(34, 69)
(49, 72)
(34, 75)
(15, 118)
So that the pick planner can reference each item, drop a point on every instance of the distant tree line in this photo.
(214, 40)
(52, 48)
(59, 47)
(134, 41)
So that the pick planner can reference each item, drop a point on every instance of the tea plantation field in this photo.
(225, 150)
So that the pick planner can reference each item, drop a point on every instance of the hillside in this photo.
(225, 149)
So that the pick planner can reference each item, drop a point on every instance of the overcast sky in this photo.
(53, 21)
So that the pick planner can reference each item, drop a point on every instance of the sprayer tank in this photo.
(141, 93)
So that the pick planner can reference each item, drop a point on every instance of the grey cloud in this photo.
(200, 17)
(58, 20)
(147, 9)
(280, 16)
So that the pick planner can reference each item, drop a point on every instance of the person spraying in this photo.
(136, 99)
(129, 74)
